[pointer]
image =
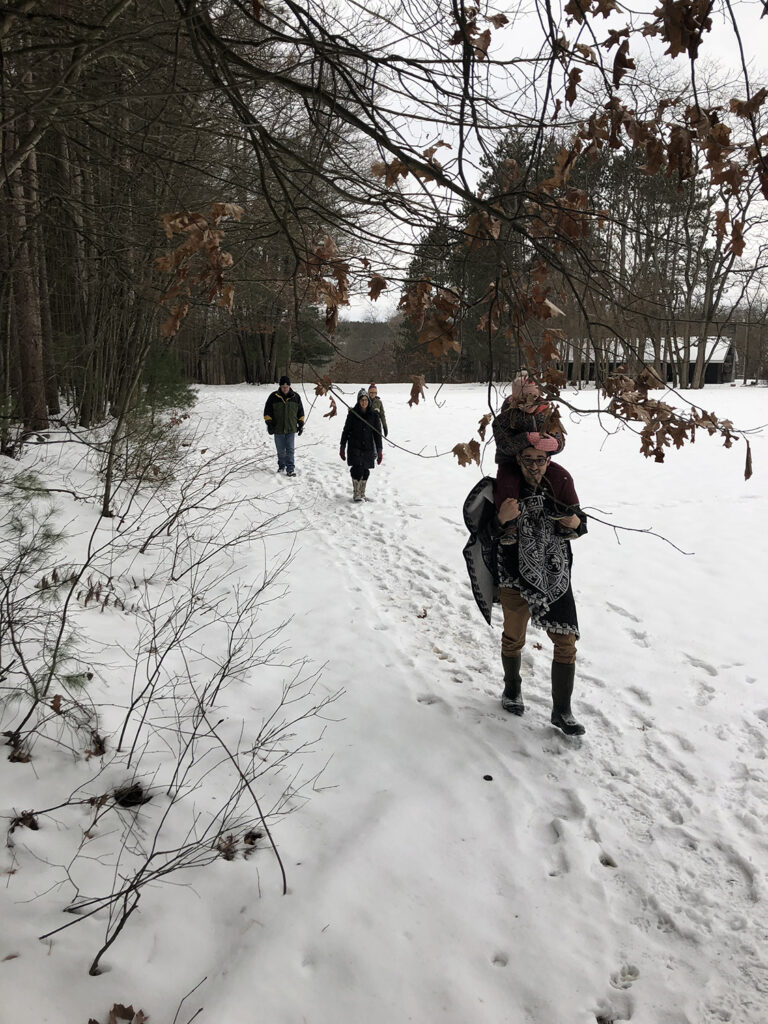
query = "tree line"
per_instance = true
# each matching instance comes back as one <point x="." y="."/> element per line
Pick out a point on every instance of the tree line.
<point x="520" y="202"/>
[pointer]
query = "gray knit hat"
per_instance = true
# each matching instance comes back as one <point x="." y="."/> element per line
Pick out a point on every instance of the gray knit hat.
<point x="362" y="393"/>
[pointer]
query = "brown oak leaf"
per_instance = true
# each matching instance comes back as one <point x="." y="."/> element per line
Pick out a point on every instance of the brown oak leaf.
<point x="467" y="453"/>
<point x="417" y="389"/>
<point x="747" y="108"/>
<point x="622" y="63"/>
<point x="481" y="44"/>
<point x="376" y="285"/>
<point x="574" y="77"/>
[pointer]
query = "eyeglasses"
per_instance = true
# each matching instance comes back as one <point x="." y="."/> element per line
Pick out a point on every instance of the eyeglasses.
<point x="542" y="461"/>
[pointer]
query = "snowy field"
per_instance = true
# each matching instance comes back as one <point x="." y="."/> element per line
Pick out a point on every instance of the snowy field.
<point x="449" y="862"/>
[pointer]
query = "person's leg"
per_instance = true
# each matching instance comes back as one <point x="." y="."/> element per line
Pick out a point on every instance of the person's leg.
<point x="363" y="483"/>
<point x="563" y="674"/>
<point x="280" y="448"/>
<point x="565" y="648"/>
<point x="356" y="472"/>
<point x="290" y="444"/>
<point x="516" y="616"/>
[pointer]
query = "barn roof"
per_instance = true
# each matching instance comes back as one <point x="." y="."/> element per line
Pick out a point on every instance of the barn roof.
<point x="716" y="350"/>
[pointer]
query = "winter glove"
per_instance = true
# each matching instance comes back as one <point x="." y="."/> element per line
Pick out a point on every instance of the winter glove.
<point x="543" y="442"/>
<point x="342" y="456"/>
<point x="270" y="428"/>
<point x="379" y="457"/>
<point x="301" y="429"/>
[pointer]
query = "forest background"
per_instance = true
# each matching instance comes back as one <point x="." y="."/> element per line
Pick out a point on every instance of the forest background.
<point x="597" y="202"/>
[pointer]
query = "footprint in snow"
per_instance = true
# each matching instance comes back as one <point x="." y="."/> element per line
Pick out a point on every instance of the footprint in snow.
<point x="639" y="694"/>
<point x="429" y="698"/>
<point x="626" y="975"/>
<point x="705" y="695"/>
<point x="640" y="638"/>
<point x="703" y="665"/>
<point x="622" y="611"/>
<point x="560" y="864"/>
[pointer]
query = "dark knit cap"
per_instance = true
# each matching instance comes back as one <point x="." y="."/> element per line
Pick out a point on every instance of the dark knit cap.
<point x="362" y="393"/>
<point x="285" y="380"/>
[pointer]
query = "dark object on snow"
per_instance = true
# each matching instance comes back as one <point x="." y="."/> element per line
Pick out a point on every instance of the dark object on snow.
<point x="131" y="796"/>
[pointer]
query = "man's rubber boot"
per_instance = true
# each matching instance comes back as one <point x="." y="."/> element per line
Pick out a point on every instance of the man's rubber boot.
<point x="562" y="688"/>
<point x="512" y="698"/>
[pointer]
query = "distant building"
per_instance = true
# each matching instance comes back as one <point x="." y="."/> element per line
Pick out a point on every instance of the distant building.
<point x="582" y="361"/>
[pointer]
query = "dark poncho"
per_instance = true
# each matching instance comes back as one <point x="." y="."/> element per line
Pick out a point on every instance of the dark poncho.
<point x="539" y="565"/>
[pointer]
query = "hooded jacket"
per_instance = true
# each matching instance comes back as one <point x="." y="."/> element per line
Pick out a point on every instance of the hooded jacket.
<point x="361" y="436"/>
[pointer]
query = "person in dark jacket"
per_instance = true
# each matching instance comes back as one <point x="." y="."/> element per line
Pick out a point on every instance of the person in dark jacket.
<point x="537" y="499"/>
<point x="284" y="416"/>
<point x="378" y="406"/>
<point x="361" y="445"/>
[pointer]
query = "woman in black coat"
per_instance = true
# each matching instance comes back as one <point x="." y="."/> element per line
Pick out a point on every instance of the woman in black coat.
<point x="361" y="437"/>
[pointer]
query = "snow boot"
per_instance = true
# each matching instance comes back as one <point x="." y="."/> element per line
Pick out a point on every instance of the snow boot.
<point x="562" y="688"/>
<point x="362" y="490"/>
<point x="512" y="698"/>
<point x="356" y="495"/>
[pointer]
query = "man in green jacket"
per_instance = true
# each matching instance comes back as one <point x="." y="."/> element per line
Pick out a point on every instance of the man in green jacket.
<point x="284" y="416"/>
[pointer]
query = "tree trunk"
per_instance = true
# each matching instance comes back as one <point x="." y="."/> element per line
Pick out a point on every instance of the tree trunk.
<point x="29" y="332"/>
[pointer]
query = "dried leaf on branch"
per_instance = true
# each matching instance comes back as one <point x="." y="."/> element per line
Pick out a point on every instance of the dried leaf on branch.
<point x="681" y="24"/>
<point x="390" y="172"/>
<point x="483" y="424"/>
<point x="481" y="228"/>
<point x="467" y="453"/>
<point x="737" y="242"/>
<point x="574" y="76"/>
<point x="325" y="273"/>
<point x="417" y="389"/>
<point x="197" y="263"/>
<point x="748" y="108"/>
<point x="376" y="285"/>
<point x="662" y="425"/>
<point x="622" y="63"/>
<point x="434" y="315"/>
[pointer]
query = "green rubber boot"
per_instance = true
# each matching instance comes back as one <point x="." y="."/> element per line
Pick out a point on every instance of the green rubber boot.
<point x="562" y="688"/>
<point x="512" y="698"/>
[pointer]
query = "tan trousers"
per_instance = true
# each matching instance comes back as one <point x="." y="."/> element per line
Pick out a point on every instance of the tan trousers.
<point x="516" y="618"/>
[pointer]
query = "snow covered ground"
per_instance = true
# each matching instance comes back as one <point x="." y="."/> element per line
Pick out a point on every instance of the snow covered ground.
<point x="451" y="863"/>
